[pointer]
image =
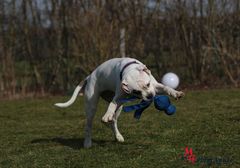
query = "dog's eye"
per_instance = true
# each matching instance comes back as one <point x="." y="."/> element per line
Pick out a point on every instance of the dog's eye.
<point x="137" y="92"/>
<point x="147" y="86"/>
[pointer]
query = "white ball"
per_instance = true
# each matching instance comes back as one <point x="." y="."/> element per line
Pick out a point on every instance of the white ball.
<point x="170" y="79"/>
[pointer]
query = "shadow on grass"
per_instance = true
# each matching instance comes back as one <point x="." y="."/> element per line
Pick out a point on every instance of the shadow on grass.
<point x="74" y="143"/>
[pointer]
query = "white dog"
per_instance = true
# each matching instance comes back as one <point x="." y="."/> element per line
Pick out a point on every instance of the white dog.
<point x="112" y="80"/>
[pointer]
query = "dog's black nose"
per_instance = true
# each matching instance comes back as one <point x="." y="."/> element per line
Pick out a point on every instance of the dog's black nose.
<point x="150" y="96"/>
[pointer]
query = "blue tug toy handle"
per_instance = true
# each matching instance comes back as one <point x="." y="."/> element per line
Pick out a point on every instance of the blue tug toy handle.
<point x="161" y="102"/>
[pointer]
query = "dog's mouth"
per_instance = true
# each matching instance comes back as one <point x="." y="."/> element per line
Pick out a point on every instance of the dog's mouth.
<point x="137" y="93"/>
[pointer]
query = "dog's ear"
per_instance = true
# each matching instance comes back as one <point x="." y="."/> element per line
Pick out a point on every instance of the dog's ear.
<point x="124" y="86"/>
<point x="143" y="68"/>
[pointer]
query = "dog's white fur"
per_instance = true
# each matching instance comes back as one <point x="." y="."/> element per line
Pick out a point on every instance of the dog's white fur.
<point x="105" y="82"/>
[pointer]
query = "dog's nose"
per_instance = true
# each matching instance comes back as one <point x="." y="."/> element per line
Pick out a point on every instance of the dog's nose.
<point x="150" y="96"/>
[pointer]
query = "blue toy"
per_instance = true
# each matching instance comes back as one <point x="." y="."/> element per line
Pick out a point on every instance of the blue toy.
<point x="161" y="102"/>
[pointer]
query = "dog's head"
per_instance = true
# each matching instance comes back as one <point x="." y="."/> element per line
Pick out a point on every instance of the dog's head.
<point x="138" y="82"/>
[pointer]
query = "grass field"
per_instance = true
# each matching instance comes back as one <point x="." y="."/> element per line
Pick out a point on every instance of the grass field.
<point x="33" y="133"/>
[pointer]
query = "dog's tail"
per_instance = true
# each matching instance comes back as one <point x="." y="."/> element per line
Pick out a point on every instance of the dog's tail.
<point x="80" y="88"/>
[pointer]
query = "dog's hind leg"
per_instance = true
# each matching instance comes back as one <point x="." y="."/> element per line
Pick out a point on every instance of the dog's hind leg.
<point x="90" y="109"/>
<point x="116" y="132"/>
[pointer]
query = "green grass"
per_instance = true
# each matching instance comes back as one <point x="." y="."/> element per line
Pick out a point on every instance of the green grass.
<point x="33" y="133"/>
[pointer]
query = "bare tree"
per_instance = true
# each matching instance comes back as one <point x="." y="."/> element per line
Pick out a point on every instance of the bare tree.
<point x="45" y="45"/>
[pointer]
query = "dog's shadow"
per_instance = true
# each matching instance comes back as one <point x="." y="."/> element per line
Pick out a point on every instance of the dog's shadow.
<point x="74" y="143"/>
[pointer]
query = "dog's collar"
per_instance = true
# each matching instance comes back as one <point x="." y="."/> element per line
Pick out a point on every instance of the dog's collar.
<point x="125" y="66"/>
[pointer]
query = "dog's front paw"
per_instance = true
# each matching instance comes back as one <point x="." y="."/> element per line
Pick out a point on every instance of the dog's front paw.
<point x="172" y="92"/>
<point x="178" y="94"/>
<point x="119" y="138"/>
<point x="108" y="117"/>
